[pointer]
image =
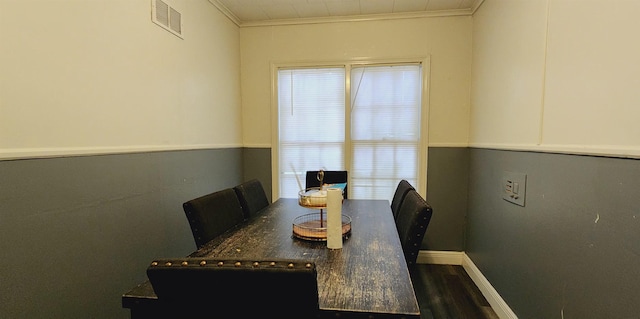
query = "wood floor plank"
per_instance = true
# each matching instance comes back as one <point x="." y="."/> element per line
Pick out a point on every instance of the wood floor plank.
<point x="471" y="288"/>
<point x="447" y="292"/>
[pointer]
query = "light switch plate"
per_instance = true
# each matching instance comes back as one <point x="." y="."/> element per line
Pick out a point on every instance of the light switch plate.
<point x="514" y="186"/>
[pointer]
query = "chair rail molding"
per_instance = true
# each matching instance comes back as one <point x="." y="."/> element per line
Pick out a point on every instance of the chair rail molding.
<point x="52" y="152"/>
<point x="616" y="151"/>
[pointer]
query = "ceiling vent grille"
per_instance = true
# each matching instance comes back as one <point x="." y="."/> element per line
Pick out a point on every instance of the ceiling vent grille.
<point x="166" y="17"/>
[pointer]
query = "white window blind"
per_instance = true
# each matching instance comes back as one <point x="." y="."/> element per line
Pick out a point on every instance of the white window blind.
<point x="311" y="110"/>
<point x="385" y="129"/>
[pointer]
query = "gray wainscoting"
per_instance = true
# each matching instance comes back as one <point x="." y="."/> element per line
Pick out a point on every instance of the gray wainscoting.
<point x="257" y="164"/>
<point x="573" y="250"/>
<point x="77" y="232"/>
<point x="447" y="188"/>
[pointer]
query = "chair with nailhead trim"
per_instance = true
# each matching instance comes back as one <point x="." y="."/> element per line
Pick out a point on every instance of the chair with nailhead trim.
<point x="211" y="215"/>
<point x="232" y="288"/>
<point x="401" y="191"/>
<point x="252" y="197"/>
<point x="413" y="219"/>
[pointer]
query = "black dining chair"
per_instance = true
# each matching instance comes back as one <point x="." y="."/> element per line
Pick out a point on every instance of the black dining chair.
<point x="213" y="214"/>
<point x="252" y="197"/>
<point x="231" y="288"/>
<point x="401" y="191"/>
<point x="330" y="177"/>
<point x="412" y="222"/>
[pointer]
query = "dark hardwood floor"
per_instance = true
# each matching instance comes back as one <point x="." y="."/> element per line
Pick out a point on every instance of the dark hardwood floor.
<point x="447" y="292"/>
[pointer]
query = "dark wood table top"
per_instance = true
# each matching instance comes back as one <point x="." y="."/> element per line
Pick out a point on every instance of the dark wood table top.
<point x="368" y="276"/>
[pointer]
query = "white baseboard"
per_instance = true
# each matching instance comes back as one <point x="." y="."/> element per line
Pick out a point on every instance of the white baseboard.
<point x="460" y="258"/>
<point x="435" y="257"/>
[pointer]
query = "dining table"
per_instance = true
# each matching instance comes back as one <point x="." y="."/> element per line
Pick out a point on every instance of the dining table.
<point x="367" y="278"/>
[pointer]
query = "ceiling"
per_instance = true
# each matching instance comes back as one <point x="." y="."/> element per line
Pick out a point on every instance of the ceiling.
<point x="270" y="12"/>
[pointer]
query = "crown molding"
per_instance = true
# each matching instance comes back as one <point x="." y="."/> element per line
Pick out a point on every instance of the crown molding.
<point x="476" y="5"/>
<point x="225" y="11"/>
<point x="357" y="18"/>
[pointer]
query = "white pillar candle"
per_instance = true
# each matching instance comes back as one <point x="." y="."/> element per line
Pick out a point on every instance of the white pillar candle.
<point x="334" y="218"/>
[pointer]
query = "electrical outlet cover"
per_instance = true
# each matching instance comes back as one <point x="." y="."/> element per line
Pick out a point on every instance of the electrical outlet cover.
<point x="514" y="186"/>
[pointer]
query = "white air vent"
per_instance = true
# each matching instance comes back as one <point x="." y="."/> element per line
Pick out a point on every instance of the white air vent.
<point x="175" y="21"/>
<point x="166" y="17"/>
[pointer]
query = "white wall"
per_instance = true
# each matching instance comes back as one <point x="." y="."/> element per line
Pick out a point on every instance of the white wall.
<point x="447" y="40"/>
<point x="84" y="77"/>
<point x="556" y="75"/>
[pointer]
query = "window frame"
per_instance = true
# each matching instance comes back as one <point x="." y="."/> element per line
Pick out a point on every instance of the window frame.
<point x="425" y="62"/>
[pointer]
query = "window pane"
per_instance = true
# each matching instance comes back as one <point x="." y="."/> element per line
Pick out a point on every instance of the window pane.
<point x="385" y="129"/>
<point x="386" y="103"/>
<point x="311" y="124"/>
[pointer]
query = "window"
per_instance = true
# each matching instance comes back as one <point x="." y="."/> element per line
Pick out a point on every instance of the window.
<point x="385" y="129"/>
<point x="311" y="108"/>
<point x="365" y="119"/>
